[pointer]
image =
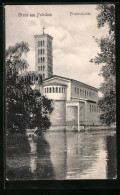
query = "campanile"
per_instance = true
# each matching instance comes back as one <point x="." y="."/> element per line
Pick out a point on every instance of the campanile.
<point x="44" y="55"/>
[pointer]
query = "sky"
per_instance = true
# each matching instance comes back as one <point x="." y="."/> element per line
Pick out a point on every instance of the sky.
<point x="73" y="28"/>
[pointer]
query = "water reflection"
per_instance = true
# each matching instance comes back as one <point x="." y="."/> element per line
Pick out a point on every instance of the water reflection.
<point x="78" y="155"/>
<point x="60" y="155"/>
<point x="44" y="168"/>
<point x="17" y="159"/>
<point x="111" y="157"/>
<point x="33" y="147"/>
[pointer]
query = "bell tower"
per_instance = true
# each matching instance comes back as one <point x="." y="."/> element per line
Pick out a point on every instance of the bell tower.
<point x="44" y="55"/>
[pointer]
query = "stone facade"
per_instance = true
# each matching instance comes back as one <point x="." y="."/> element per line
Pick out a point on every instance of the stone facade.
<point x="75" y="103"/>
<point x="44" y="55"/>
<point x="58" y="117"/>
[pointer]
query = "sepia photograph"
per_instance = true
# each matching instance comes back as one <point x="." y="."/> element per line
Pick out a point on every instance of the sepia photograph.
<point x="60" y="92"/>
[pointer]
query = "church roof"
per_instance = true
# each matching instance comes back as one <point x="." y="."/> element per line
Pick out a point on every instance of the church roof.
<point x="53" y="83"/>
<point x="72" y="80"/>
<point x="43" y="35"/>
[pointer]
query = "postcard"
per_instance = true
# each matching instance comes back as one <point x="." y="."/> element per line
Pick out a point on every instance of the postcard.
<point x="60" y="92"/>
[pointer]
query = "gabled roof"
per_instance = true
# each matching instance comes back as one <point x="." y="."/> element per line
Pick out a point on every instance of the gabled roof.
<point x="53" y="76"/>
<point x="72" y="80"/>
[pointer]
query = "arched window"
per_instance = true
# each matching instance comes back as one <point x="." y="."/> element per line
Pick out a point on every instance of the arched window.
<point x="59" y="89"/>
<point x="85" y="93"/>
<point x="43" y="75"/>
<point x="47" y="89"/>
<point x="41" y="60"/>
<point x="90" y="108"/>
<point x="43" y="42"/>
<point x="43" y="51"/>
<point x="80" y="91"/>
<point x="95" y="108"/>
<point x="43" y="67"/>
<point x="75" y="89"/>
<point x="56" y="89"/>
<point x="50" y="89"/>
<point x="53" y="89"/>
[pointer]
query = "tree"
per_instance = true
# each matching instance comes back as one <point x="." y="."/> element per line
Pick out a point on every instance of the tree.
<point x="106" y="58"/>
<point x="25" y="106"/>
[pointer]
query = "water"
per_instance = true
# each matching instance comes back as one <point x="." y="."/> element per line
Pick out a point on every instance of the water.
<point x="60" y="155"/>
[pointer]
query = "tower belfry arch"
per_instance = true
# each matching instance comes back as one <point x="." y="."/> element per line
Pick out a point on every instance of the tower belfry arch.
<point x="44" y="54"/>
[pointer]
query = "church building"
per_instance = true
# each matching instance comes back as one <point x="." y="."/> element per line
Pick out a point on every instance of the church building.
<point x="75" y="103"/>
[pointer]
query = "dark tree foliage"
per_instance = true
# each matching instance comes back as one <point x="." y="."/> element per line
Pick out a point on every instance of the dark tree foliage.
<point x="25" y="106"/>
<point x="106" y="16"/>
<point x="106" y="58"/>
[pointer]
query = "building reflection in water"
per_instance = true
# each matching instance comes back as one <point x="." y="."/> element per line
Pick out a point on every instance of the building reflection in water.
<point x="60" y="155"/>
<point x="33" y="148"/>
<point x="40" y="162"/>
<point x="79" y="155"/>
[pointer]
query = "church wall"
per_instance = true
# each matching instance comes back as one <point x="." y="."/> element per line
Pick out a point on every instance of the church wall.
<point x="88" y="113"/>
<point x="72" y="115"/>
<point x="82" y="113"/>
<point x="92" y="114"/>
<point x="63" y="114"/>
<point x="63" y="82"/>
<point x="58" y="116"/>
<point x="55" y="92"/>
<point x="79" y="90"/>
<point x="56" y="96"/>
